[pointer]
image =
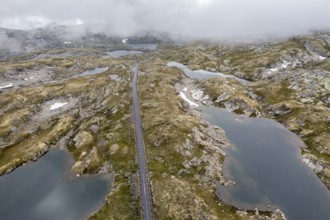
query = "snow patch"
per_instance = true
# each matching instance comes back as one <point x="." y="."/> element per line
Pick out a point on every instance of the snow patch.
<point x="197" y="95"/>
<point x="322" y="58"/>
<point x="67" y="42"/>
<point x="114" y="77"/>
<point x="124" y="41"/>
<point x="185" y="89"/>
<point x="10" y="85"/>
<point x="184" y="97"/>
<point x="285" y="65"/>
<point x="57" y="105"/>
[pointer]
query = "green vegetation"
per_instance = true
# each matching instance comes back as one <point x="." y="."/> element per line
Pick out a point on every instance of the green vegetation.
<point x="274" y="93"/>
<point x="96" y="126"/>
<point x="29" y="128"/>
<point x="179" y="192"/>
<point x="36" y="144"/>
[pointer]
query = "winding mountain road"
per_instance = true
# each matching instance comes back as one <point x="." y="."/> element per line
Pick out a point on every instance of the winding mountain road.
<point x="143" y="169"/>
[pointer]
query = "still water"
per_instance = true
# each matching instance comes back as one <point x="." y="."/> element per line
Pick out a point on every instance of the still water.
<point x="143" y="46"/>
<point x="122" y="53"/>
<point x="265" y="163"/>
<point x="47" y="189"/>
<point x="202" y="74"/>
<point x="92" y="72"/>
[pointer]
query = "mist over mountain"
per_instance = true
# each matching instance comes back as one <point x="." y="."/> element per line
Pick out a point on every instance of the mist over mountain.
<point x="225" y="19"/>
<point x="28" y="25"/>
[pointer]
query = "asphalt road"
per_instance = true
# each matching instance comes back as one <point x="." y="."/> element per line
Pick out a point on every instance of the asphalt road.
<point x="143" y="169"/>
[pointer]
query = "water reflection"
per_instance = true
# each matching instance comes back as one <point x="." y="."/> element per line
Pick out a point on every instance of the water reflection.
<point x="93" y="72"/>
<point x="47" y="189"/>
<point x="266" y="166"/>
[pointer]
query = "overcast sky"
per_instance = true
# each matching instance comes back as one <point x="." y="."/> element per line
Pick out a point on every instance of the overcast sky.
<point x="194" y="18"/>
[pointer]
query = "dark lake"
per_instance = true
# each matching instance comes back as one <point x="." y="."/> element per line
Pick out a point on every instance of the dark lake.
<point x="47" y="189"/>
<point x="265" y="163"/>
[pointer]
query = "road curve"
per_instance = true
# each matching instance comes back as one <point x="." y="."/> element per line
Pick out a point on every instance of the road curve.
<point x="143" y="169"/>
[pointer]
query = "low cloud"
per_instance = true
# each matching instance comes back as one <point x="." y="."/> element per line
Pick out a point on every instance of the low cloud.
<point x="10" y="44"/>
<point x="190" y="18"/>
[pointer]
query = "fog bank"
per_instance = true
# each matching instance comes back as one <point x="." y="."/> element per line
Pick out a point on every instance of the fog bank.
<point x="190" y="18"/>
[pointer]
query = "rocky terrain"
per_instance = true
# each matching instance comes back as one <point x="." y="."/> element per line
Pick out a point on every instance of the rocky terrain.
<point x="289" y="82"/>
<point x="185" y="152"/>
<point x="54" y="103"/>
<point x="48" y="100"/>
<point x="58" y="37"/>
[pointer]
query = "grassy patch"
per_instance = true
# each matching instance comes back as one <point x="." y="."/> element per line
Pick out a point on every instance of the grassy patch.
<point x="14" y="156"/>
<point x="120" y="204"/>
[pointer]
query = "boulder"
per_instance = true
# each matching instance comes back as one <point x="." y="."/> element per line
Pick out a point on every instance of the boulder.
<point x="83" y="138"/>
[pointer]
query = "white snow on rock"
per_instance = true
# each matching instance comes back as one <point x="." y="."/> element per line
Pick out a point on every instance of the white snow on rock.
<point x="322" y="58"/>
<point x="282" y="67"/>
<point x="57" y="105"/>
<point x="67" y="42"/>
<point x="184" y="97"/>
<point x="114" y="77"/>
<point x="197" y="95"/>
<point x="7" y="86"/>
<point x="185" y="89"/>
<point x="285" y="65"/>
<point x="124" y="41"/>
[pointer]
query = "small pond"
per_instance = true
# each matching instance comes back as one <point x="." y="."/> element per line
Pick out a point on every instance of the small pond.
<point x="202" y="74"/>
<point x="93" y="72"/>
<point x="47" y="189"/>
<point x="122" y="53"/>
